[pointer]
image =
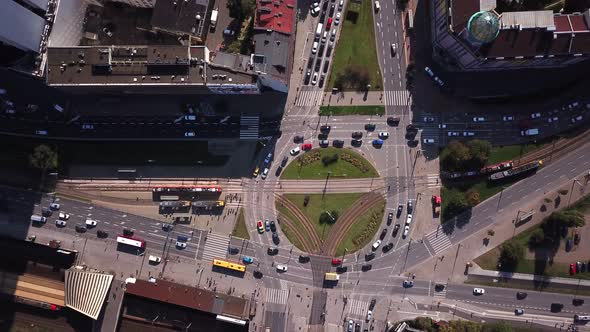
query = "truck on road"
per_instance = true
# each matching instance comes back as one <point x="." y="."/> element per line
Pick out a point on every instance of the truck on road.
<point x="329" y="276"/>
<point x="214" y="14"/>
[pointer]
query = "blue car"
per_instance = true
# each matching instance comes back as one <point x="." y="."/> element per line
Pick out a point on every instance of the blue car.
<point x="248" y="260"/>
<point x="377" y="142"/>
<point x="268" y="158"/>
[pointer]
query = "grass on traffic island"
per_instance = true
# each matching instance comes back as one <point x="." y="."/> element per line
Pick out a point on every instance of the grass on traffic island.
<point x="286" y="229"/>
<point x="317" y="205"/>
<point x="240" y="229"/>
<point x="551" y="268"/>
<point x="352" y="110"/>
<point x="313" y="169"/>
<point x="367" y="224"/>
<point x="358" y="50"/>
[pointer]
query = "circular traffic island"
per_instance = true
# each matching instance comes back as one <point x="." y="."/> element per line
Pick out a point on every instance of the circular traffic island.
<point x="317" y="164"/>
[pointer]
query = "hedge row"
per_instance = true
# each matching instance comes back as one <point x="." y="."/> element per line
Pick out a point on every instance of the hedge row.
<point x="355" y="162"/>
<point x="368" y="231"/>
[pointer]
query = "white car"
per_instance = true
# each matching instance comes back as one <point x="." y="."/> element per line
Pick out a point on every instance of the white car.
<point x="429" y="71"/>
<point x="553" y="119"/>
<point x="439" y="81"/>
<point x="54" y="206"/>
<point x="535" y="115"/>
<point x="479" y="119"/>
<point x="508" y="118"/>
<point x="393" y="49"/>
<point x="282" y="268"/>
<point x="64" y="216"/>
<point x="337" y="19"/>
<point x="264" y="173"/>
<point x="180" y="245"/>
<point x="60" y="223"/>
<point x="468" y="133"/>
<point x="295" y="151"/>
<point x="87" y="126"/>
<point x="409" y="219"/>
<point x="428" y="119"/>
<point x="479" y="291"/>
<point x="428" y="141"/>
<point x="350" y="326"/>
<point x="577" y="118"/>
<point x="314" y="79"/>
<point x="406" y="231"/>
<point x="91" y="223"/>
<point x="314" y="11"/>
<point x="376" y="244"/>
<point x="384" y="135"/>
<point x="453" y="133"/>
<point x="442" y="126"/>
<point x="189" y="134"/>
<point x="369" y="315"/>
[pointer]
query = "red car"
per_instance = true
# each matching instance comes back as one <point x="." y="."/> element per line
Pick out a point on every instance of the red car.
<point x="572" y="269"/>
<point x="329" y="23"/>
<point x="336" y="261"/>
<point x="306" y="146"/>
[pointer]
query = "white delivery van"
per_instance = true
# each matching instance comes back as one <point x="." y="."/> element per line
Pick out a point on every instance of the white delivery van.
<point x="154" y="259"/>
<point x="38" y="219"/>
<point x="529" y="132"/>
<point x="377" y="6"/>
<point x="318" y="31"/>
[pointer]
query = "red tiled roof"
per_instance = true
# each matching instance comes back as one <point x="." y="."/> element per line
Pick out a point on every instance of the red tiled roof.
<point x="562" y="24"/>
<point x="277" y="15"/>
<point x="462" y="11"/>
<point x="578" y="23"/>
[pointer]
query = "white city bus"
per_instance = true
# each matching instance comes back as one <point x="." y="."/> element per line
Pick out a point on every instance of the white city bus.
<point x="130" y="241"/>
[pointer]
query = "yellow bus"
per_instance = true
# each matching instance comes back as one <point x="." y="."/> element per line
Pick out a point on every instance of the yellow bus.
<point x="229" y="265"/>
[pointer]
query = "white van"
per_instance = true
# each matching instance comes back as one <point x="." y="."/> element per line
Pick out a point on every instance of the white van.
<point x="377" y="6"/>
<point x="38" y="219"/>
<point x="154" y="259"/>
<point x="318" y="31"/>
<point x="530" y="132"/>
<point x="314" y="48"/>
<point x="58" y="108"/>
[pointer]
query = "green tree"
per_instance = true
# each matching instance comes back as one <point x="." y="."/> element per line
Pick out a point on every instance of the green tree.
<point x="537" y="237"/>
<point x="44" y="159"/>
<point x="473" y="197"/>
<point x="568" y="218"/>
<point x="499" y="326"/>
<point x="455" y="156"/>
<point x="456" y="203"/>
<point x="480" y="152"/>
<point x="423" y="323"/>
<point x="511" y="253"/>
<point x="328" y="217"/>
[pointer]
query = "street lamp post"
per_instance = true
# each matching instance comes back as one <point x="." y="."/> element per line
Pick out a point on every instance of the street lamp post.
<point x="326" y="184"/>
<point x="572" y="190"/>
<point x="500" y="199"/>
<point x="344" y="254"/>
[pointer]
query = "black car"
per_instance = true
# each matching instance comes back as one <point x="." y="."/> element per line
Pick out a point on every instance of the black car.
<point x="166" y="227"/>
<point x="303" y="259"/>
<point x="395" y="230"/>
<point x="387" y="247"/>
<point x="370" y="127"/>
<point x="332" y="7"/>
<point x="366" y="267"/>
<point x="383" y="233"/>
<point x="272" y="251"/>
<point x="411" y="127"/>
<point x="393" y="121"/>
<point x="357" y="327"/>
<point x="275" y="238"/>
<point x="273" y="227"/>
<point x="400" y="208"/>
<point x="389" y="218"/>
<point x="410" y="207"/>
<point x="326" y="65"/>
<point x="307" y="77"/>
<point x="279" y="170"/>
<point x="439" y="287"/>
<point x="257" y="274"/>
<point x="577" y="302"/>
<point x="298" y="139"/>
<point x="127" y="232"/>
<point x="325" y="6"/>
<point x="310" y="62"/>
<point x="341" y="269"/>
<point x="372" y="304"/>
<point x="337" y="143"/>
<point x="81" y="228"/>
<point x="322" y="136"/>
<point x="521" y="295"/>
<point x="284" y="161"/>
<point x="369" y="256"/>
<point x="318" y="64"/>
<point x="356" y="142"/>
<point x="102" y="234"/>
<point x="325" y="129"/>
<point x="556" y="307"/>
<point x="357" y="134"/>
<point x="46" y="212"/>
<point x="233" y="250"/>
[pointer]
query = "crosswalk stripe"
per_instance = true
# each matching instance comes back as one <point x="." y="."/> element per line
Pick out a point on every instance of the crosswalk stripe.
<point x="358" y="307"/>
<point x="309" y="97"/>
<point x="278" y="296"/>
<point x="397" y="98"/>
<point x="439" y="242"/>
<point x="215" y="247"/>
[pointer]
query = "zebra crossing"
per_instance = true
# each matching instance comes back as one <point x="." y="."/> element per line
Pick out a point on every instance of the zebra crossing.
<point x="357" y="307"/>
<point x="215" y="246"/>
<point x="438" y="241"/>
<point x="277" y="296"/>
<point x="442" y="293"/>
<point x="249" y="127"/>
<point x="432" y="181"/>
<point x="397" y="98"/>
<point x="309" y="98"/>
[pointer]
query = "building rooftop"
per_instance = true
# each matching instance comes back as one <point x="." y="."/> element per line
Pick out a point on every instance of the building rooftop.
<point x="272" y="53"/>
<point x="276" y="15"/>
<point x="190" y="297"/>
<point x="181" y="17"/>
<point x="136" y="65"/>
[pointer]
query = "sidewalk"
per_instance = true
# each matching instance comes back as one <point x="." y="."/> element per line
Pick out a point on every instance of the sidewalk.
<point x="453" y="260"/>
<point x="352" y="98"/>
